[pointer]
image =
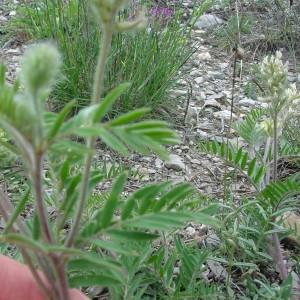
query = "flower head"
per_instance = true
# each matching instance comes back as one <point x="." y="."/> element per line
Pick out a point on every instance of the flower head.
<point x="40" y="67"/>
<point x="160" y="14"/>
<point x="281" y="97"/>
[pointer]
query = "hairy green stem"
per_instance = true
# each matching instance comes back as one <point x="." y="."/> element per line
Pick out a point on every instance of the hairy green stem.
<point x="59" y="266"/>
<point x="279" y="258"/>
<point x="60" y="283"/>
<point x="96" y="98"/>
<point x="36" y="175"/>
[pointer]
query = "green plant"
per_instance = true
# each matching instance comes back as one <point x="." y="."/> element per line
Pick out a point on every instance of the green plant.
<point x="150" y="58"/>
<point x="236" y="26"/>
<point x="93" y="252"/>
<point x="261" y="129"/>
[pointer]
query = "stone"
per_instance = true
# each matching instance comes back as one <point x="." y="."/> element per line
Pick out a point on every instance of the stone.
<point x="211" y="102"/>
<point x="3" y="19"/>
<point x="217" y="269"/>
<point x="195" y="161"/>
<point x="212" y="241"/>
<point x="203" y="229"/>
<point x="199" y="80"/>
<point x="219" y="97"/>
<point x="175" y="163"/>
<point x="295" y="281"/>
<point x="224" y="114"/>
<point x="216" y="75"/>
<point x="195" y="73"/>
<point x="191" y="112"/>
<point x="16" y="58"/>
<point x="207" y="21"/>
<point x="181" y="92"/>
<point x="210" y="92"/>
<point x="204" y="56"/>
<point x="292" y="220"/>
<point x="13" y="51"/>
<point x="247" y="102"/>
<point x="182" y="82"/>
<point x="190" y="231"/>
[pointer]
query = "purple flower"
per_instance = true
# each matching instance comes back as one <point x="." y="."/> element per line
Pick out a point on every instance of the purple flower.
<point x="160" y="14"/>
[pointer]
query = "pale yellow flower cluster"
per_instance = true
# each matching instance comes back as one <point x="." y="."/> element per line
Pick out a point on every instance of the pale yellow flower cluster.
<point x="283" y="98"/>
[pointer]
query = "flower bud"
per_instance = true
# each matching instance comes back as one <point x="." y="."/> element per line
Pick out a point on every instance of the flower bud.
<point x="239" y="53"/>
<point x="107" y="9"/>
<point x="40" y="67"/>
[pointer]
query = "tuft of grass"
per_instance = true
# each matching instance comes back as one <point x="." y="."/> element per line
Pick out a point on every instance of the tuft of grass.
<point x="149" y="59"/>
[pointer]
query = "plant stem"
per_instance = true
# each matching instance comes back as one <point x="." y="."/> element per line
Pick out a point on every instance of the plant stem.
<point x="275" y="148"/>
<point x="36" y="175"/>
<point x="59" y="283"/>
<point x="59" y="265"/>
<point x="100" y="70"/>
<point x="279" y="258"/>
<point x="96" y="98"/>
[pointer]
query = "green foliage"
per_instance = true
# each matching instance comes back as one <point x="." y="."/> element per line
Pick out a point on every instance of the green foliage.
<point x="253" y="225"/>
<point x="102" y="250"/>
<point x="237" y="158"/>
<point x="256" y="288"/>
<point x="249" y="128"/>
<point x="149" y="59"/>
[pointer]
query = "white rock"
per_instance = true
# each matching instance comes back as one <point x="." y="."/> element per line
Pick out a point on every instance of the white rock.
<point x="16" y="58"/>
<point x="158" y="163"/>
<point x="181" y="82"/>
<point x="217" y="269"/>
<point x="190" y="231"/>
<point x="216" y="74"/>
<point x="195" y="161"/>
<point x="3" y="19"/>
<point x="13" y="13"/>
<point x="181" y="92"/>
<point x="205" y="273"/>
<point x="219" y="96"/>
<point x="295" y="281"/>
<point x="224" y="114"/>
<point x="204" y="56"/>
<point x="207" y="20"/>
<point x="147" y="159"/>
<point x="199" y="80"/>
<point x="247" y="102"/>
<point x="13" y="51"/>
<point x="195" y="73"/>
<point x="175" y="163"/>
<point x="202" y="95"/>
<point x="212" y="102"/>
<point x="191" y="112"/>
<point x="223" y="65"/>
